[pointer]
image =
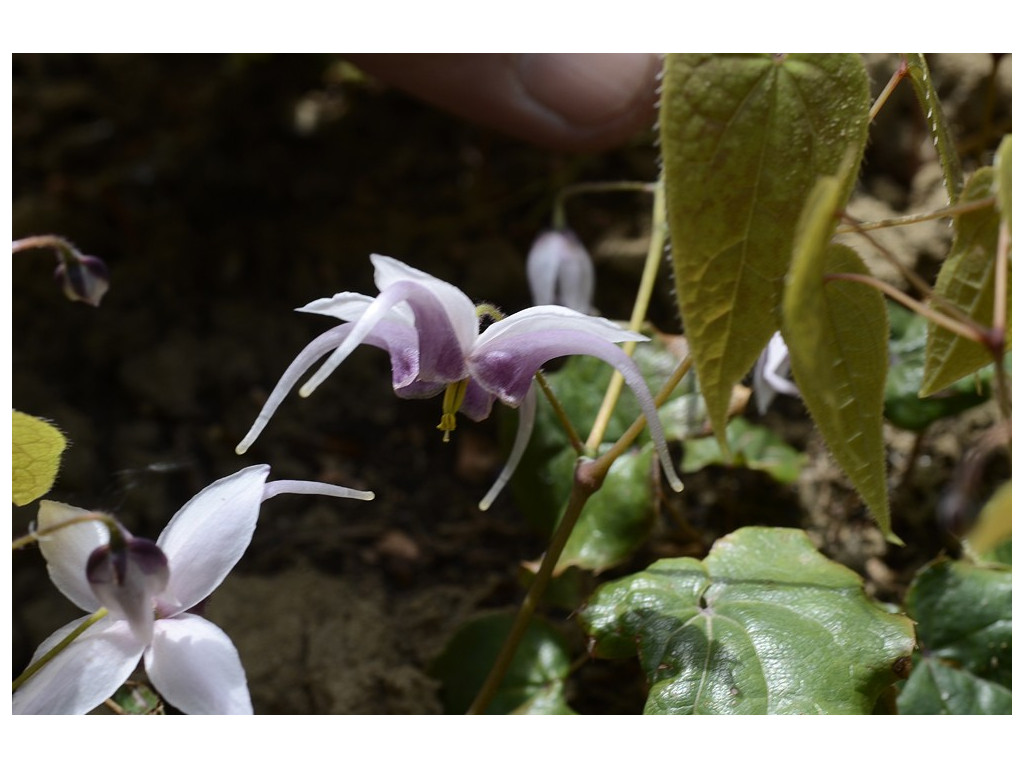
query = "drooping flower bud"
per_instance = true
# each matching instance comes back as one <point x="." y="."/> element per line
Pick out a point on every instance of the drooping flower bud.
<point x="83" y="278"/>
<point x="560" y="271"/>
<point x="126" y="577"/>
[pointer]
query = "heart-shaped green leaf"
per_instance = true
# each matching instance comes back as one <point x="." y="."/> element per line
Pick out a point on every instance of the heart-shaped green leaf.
<point x="966" y="280"/>
<point x="744" y="138"/>
<point x="837" y="333"/>
<point x="765" y="624"/>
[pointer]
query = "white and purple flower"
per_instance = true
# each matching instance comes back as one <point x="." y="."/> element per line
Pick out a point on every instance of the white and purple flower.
<point x="771" y="374"/>
<point x="149" y="590"/>
<point x="430" y="329"/>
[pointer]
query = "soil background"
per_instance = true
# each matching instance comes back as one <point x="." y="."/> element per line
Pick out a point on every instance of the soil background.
<point x="223" y="192"/>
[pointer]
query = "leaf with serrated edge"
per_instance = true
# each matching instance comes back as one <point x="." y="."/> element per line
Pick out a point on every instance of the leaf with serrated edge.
<point x="743" y="139"/>
<point x="838" y="334"/>
<point x="967" y="280"/>
<point x="36" y="449"/>
<point x="942" y="137"/>
<point x="764" y="625"/>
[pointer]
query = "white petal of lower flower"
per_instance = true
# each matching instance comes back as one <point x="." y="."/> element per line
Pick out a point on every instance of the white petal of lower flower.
<point x="195" y="667"/>
<point x="67" y="551"/>
<point x="83" y="675"/>
<point x="207" y="536"/>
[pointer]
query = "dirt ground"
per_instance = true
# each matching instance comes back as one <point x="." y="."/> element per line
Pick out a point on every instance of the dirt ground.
<point x="223" y="192"/>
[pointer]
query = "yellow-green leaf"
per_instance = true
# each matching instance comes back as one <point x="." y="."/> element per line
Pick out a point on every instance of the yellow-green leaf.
<point x="837" y="333"/>
<point x="35" y="457"/>
<point x="967" y="280"/>
<point x="744" y="138"/>
<point x="995" y="522"/>
<point x="942" y="137"/>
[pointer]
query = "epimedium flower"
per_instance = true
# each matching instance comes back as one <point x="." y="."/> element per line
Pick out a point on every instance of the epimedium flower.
<point x="771" y="372"/>
<point x="560" y="271"/>
<point x="150" y="590"/>
<point x="430" y="329"/>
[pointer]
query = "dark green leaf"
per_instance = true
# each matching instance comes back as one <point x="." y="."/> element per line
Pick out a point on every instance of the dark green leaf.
<point x="765" y="624"/>
<point x="535" y="680"/>
<point x="964" y="617"/>
<point x="752" y="445"/>
<point x="935" y="688"/>
<point x="903" y="406"/>
<point x="744" y="138"/>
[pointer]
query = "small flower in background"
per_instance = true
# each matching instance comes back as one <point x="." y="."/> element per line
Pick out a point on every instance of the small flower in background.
<point x="560" y="271"/>
<point x="430" y="329"/>
<point x="771" y="372"/>
<point x="83" y="278"/>
<point x="148" y="590"/>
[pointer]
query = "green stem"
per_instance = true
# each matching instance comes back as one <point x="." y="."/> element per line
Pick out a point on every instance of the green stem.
<point x="969" y="329"/>
<point x="901" y="72"/>
<point x="950" y="211"/>
<point x="585" y="187"/>
<point x="999" y="319"/>
<point x="570" y="430"/>
<point x="116" y="534"/>
<point x="587" y="479"/>
<point x="47" y="657"/>
<point x="655" y="251"/>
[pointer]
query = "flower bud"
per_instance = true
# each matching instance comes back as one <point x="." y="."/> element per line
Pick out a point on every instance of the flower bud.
<point x="127" y="578"/>
<point x="83" y="278"/>
<point x="560" y="271"/>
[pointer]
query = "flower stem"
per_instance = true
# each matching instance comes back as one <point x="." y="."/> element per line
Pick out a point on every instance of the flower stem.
<point x="47" y="657"/>
<point x="655" y="251"/>
<point x="116" y="533"/>
<point x="587" y="480"/>
<point x="570" y="430"/>
<point x="901" y="72"/>
<point x="949" y="211"/>
<point x="966" y="328"/>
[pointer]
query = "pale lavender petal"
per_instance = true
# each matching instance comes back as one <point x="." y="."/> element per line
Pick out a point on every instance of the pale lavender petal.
<point x="350" y="307"/>
<point x="277" y="487"/>
<point x="770" y="373"/>
<point x="441" y="356"/>
<point x="196" y="667"/>
<point x="457" y="306"/>
<point x="207" y="536"/>
<point x="527" y="416"/>
<point x="83" y="675"/>
<point x="396" y="338"/>
<point x="67" y="551"/>
<point x="506" y="365"/>
<point x="560" y="271"/>
<point x="540" y="320"/>
<point x="477" y="403"/>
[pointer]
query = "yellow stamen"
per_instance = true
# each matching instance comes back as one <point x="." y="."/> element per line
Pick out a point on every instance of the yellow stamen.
<point x="454" y="394"/>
